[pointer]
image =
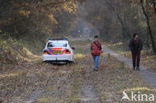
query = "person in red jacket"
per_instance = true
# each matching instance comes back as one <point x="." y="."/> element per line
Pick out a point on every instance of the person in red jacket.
<point x="96" y="51"/>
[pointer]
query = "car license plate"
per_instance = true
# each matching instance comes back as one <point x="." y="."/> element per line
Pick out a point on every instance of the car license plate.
<point x="57" y="51"/>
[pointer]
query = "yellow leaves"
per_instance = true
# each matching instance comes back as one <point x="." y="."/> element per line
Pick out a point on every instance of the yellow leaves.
<point x="147" y="57"/>
<point x="52" y="19"/>
<point x="135" y="1"/>
<point x="139" y="88"/>
<point x="9" y="75"/>
<point x="79" y="56"/>
<point x="70" y="7"/>
<point x="44" y="100"/>
<point x="9" y="51"/>
<point x="29" y="55"/>
<point x="135" y="17"/>
<point x="27" y="52"/>
<point x="24" y="13"/>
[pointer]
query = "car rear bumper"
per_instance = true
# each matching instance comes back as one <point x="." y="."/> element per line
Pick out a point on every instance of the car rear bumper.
<point x="57" y="58"/>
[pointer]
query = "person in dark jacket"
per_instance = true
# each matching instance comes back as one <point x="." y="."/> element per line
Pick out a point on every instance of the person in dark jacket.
<point x="96" y="51"/>
<point x="136" y="46"/>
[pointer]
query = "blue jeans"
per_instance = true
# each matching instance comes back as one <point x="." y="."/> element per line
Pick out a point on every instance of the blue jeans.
<point x="96" y="59"/>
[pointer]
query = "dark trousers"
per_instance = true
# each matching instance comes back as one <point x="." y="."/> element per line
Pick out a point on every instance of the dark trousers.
<point x="136" y="58"/>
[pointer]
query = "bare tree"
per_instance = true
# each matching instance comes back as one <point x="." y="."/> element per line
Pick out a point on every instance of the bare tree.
<point x="148" y="25"/>
<point x="119" y="12"/>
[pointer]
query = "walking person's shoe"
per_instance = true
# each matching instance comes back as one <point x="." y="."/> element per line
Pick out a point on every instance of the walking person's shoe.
<point x="137" y="68"/>
<point x="134" y="68"/>
<point x="95" y="69"/>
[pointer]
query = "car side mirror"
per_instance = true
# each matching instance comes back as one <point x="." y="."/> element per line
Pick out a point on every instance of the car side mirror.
<point x="73" y="48"/>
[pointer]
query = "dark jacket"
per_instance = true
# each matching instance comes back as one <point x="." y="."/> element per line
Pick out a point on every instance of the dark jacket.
<point x="134" y="47"/>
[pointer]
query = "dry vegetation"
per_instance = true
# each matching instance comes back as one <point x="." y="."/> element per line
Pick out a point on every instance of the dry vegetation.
<point x="25" y="25"/>
<point x="49" y="83"/>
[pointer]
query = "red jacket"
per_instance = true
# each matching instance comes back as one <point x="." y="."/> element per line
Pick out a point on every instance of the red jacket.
<point x="96" y="48"/>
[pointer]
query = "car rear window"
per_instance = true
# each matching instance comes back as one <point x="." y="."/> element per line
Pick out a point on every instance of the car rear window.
<point x="51" y="44"/>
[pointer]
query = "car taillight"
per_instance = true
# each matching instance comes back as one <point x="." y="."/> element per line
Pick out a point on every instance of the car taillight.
<point x="67" y="51"/>
<point x="45" y="52"/>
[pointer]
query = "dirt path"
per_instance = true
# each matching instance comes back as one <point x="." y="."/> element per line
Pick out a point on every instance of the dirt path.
<point x="88" y="92"/>
<point x="33" y="96"/>
<point x="148" y="77"/>
<point x="72" y="83"/>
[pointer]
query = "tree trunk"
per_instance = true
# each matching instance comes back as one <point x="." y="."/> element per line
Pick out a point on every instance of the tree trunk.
<point x="154" y="5"/>
<point x="125" y="31"/>
<point x="148" y="25"/>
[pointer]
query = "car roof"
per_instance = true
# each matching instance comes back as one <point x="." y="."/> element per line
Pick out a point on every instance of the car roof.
<point x="58" y="41"/>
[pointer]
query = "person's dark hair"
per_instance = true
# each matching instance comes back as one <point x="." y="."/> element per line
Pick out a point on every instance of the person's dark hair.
<point x="95" y="36"/>
<point x="135" y="34"/>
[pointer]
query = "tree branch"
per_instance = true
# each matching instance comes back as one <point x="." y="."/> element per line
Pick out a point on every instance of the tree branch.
<point x="154" y="5"/>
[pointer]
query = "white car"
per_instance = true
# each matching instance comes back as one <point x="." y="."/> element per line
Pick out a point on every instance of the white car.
<point x="58" y="50"/>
